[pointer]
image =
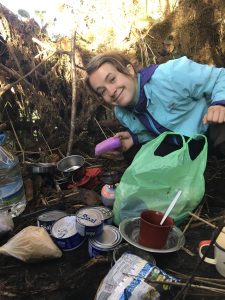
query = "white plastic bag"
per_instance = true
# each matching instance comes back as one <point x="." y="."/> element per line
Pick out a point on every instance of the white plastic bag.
<point x="30" y="245"/>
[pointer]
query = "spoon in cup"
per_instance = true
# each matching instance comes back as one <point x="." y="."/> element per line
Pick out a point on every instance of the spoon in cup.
<point x="171" y="206"/>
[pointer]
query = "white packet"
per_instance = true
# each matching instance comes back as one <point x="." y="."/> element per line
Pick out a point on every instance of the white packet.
<point x="31" y="244"/>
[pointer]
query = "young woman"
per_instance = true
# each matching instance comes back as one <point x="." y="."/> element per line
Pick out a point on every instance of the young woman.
<point x="179" y="95"/>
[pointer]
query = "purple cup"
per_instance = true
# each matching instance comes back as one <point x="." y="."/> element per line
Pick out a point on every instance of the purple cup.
<point x="107" y="145"/>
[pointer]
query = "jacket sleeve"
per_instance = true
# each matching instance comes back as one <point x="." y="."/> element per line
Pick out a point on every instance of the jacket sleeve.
<point x="198" y="80"/>
<point x="131" y="123"/>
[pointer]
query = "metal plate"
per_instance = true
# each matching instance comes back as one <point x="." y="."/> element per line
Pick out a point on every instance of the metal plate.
<point x="129" y="229"/>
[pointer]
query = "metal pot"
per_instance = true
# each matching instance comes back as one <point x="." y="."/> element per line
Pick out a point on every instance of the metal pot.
<point x="42" y="168"/>
<point x="72" y="166"/>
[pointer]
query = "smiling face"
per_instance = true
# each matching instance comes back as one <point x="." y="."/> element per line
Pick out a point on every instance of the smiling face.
<point x="115" y="87"/>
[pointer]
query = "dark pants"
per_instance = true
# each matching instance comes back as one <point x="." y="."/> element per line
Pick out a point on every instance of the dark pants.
<point x="216" y="139"/>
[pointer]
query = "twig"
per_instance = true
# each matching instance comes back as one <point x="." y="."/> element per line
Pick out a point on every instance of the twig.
<point x="63" y="196"/>
<point x="47" y="47"/>
<point x="100" y="128"/>
<point x="197" y="277"/>
<point x="17" y="138"/>
<point x="180" y="284"/>
<point x="111" y="131"/>
<point x="60" y="152"/>
<point x="202" y="220"/>
<point x="187" y="251"/>
<point x="73" y="104"/>
<point x="195" y="286"/>
<point x="46" y="142"/>
<point x="14" y="73"/>
<point x="191" y="219"/>
<point x="210" y="281"/>
<point x="43" y="45"/>
<point x="11" y="48"/>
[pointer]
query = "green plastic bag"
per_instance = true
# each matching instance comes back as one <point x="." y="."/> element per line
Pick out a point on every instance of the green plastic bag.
<point x="151" y="181"/>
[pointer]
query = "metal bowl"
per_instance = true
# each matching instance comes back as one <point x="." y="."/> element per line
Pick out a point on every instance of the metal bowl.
<point x="72" y="166"/>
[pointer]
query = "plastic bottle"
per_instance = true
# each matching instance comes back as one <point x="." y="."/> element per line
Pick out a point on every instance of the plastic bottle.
<point x="12" y="196"/>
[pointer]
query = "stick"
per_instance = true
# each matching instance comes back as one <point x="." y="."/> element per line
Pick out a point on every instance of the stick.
<point x="101" y="128"/>
<point x="202" y="220"/>
<point x="197" y="277"/>
<point x="191" y="219"/>
<point x="195" y="286"/>
<point x="210" y="281"/>
<point x="74" y="106"/>
<point x="16" y="137"/>
<point x="46" y="142"/>
<point x="181" y="284"/>
<point x="47" y="47"/>
<point x="14" y="73"/>
<point x="211" y="220"/>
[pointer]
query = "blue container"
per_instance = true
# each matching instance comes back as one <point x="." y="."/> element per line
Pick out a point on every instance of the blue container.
<point x="89" y="221"/>
<point x="106" y="242"/>
<point x="65" y="234"/>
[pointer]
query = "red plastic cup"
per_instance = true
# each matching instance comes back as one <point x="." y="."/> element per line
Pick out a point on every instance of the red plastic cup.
<point x="152" y="234"/>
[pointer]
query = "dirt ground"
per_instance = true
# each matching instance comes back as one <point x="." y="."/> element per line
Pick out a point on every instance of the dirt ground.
<point x="76" y="276"/>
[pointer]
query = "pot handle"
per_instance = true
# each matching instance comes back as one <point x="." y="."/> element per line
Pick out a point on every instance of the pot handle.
<point x="202" y="244"/>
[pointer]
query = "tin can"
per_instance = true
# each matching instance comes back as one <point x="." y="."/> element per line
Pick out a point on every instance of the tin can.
<point x="107" y="241"/>
<point x="65" y="233"/>
<point x="89" y="221"/>
<point x="48" y="218"/>
<point x="107" y="214"/>
<point x="108" y="193"/>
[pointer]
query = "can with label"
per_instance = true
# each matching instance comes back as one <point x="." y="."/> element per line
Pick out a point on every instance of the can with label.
<point x="107" y="214"/>
<point x="107" y="241"/>
<point x="65" y="233"/>
<point x="89" y="221"/>
<point x="48" y="218"/>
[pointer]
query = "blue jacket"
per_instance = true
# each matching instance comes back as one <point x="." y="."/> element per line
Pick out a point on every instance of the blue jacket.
<point x="175" y="98"/>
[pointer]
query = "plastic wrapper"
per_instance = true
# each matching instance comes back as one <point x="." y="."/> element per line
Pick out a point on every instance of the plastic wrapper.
<point x="31" y="244"/>
<point x="130" y="278"/>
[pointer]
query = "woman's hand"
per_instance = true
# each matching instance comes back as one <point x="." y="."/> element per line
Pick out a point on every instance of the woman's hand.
<point x="126" y="140"/>
<point x="215" y="114"/>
